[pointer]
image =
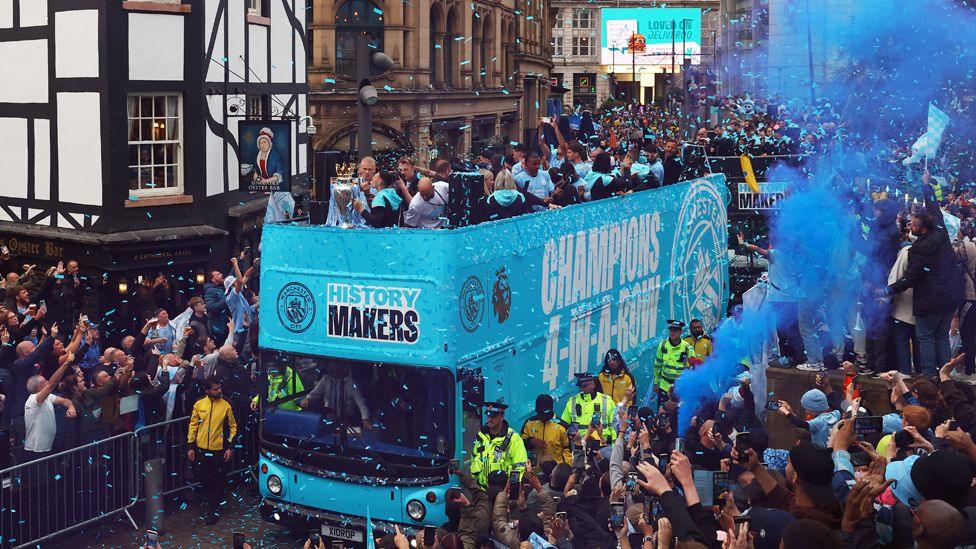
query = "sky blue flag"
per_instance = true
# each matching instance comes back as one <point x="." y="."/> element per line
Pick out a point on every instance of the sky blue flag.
<point x="928" y="144"/>
<point x="370" y="544"/>
<point x="938" y="121"/>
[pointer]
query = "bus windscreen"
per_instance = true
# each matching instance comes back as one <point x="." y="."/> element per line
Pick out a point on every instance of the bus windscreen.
<point x="340" y="408"/>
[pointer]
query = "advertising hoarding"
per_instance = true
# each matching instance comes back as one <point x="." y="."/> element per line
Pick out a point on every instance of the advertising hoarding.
<point x="654" y="26"/>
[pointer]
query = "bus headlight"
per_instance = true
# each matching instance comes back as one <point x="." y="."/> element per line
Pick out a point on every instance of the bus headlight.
<point x="416" y="510"/>
<point x="274" y="485"/>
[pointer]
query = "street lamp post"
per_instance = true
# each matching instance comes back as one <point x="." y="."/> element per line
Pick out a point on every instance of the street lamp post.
<point x="367" y="96"/>
<point x="633" y="70"/>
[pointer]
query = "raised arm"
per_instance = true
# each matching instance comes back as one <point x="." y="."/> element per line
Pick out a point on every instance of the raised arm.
<point x="238" y="277"/>
<point x="752" y="247"/>
<point x="75" y="343"/>
<point x="49" y="387"/>
<point x="559" y="134"/>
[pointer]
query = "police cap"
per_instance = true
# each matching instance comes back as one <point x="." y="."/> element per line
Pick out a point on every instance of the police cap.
<point x="676" y="325"/>
<point x="495" y="408"/>
<point x="582" y="378"/>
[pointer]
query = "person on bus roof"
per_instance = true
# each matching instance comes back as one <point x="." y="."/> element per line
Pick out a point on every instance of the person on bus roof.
<point x="498" y="447"/>
<point x="546" y="438"/>
<point x="616" y="381"/>
<point x="589" y="408"/>
<point x="506" y="201"/>
<point x="385" y="208"/>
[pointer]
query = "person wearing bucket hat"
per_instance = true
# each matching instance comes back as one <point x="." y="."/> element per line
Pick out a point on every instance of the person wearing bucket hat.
<point x="616" y="381"/>
<point x="545" y="438"/>
<point x="903" y="487"/>
<point x="821" y="417"/>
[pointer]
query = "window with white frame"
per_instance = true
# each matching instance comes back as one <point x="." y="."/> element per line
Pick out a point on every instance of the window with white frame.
<point x="557" y="46"/>
<point x="255" y="7"/>
<point x="559" y="20"/>
<point x="583" y="19"/>
<point x="582" y="46"/>
<point x="155" y="144"/>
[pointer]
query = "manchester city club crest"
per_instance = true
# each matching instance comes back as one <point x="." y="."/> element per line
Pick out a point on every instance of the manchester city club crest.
<point x="471" y="303"/>
<point x="501" y="296"/>
<point x="296" y="307"/>
<point x="698" y="249"/>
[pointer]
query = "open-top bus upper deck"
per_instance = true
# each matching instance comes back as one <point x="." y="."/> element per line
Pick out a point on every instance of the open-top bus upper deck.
<point x="526" y="301"/>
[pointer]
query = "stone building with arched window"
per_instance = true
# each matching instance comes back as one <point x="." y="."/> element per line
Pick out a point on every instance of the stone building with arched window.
<point x="463" y="72"/>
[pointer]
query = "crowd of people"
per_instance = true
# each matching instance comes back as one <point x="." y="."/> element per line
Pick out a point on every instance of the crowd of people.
<point x="609" y="473"/>
<point x="586" y="156"/>
<point x="613" y="466"/>
<point x="61" y="387"/>
<point x="611" y="469"/>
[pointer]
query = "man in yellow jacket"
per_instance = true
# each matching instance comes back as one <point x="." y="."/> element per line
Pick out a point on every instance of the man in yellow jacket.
<point x="699" y="341"/>
<point x="673" y="356"/>
<point x="210" y="444"/>
<point x="547" y="439"/>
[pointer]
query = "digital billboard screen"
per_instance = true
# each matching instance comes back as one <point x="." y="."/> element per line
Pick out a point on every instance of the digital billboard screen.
<point x="654" y="27"/>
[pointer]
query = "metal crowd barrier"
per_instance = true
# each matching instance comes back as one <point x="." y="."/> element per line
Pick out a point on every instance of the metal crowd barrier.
<point x="48" y="497"/>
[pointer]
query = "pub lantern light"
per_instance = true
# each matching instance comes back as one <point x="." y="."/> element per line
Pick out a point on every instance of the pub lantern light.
<point x="123" y="286"/>
<point x="200" y="278"/>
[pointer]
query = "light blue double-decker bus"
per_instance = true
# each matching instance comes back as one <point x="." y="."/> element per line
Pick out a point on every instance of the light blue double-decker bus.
<point x="379" y="345"/>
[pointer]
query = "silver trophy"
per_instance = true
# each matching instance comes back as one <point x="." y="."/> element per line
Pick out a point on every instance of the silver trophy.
<point x="344" y="191"/>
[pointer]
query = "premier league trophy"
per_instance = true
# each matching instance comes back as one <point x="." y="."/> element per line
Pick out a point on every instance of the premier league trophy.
<point x="344" y="191"/>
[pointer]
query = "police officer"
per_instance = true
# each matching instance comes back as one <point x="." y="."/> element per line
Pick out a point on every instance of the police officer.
<point x="672" y="358"/>
<point x="589" y="408"/>
<point x="498" y="447"/>
<point x="546" y="438"/>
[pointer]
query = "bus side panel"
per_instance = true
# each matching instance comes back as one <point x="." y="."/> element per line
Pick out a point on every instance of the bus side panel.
<point x="562" y="287"/>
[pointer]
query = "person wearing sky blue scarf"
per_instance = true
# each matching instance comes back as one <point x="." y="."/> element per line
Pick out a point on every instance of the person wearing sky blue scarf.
<point x="506" y="201"/>
<point x="384" y="211"/>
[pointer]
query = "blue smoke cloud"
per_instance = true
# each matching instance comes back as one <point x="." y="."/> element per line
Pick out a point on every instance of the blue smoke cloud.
<point x="734" y="338"/>
<point x="886" y="64"/>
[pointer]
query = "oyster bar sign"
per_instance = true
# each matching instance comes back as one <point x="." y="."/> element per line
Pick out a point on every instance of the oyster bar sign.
<point x="37" y="248"/>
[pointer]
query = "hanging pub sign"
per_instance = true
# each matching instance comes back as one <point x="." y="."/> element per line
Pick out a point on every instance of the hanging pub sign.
<point x="265" y="155"/>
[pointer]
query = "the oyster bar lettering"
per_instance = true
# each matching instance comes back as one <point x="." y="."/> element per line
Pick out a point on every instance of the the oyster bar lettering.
<point x="33" y="247"/>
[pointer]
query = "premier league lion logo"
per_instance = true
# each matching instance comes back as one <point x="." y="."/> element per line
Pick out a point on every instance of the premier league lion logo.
<point x="501" y="296"/>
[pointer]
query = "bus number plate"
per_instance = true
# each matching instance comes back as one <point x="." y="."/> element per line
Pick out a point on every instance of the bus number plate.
<point x="345" y="534"/>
